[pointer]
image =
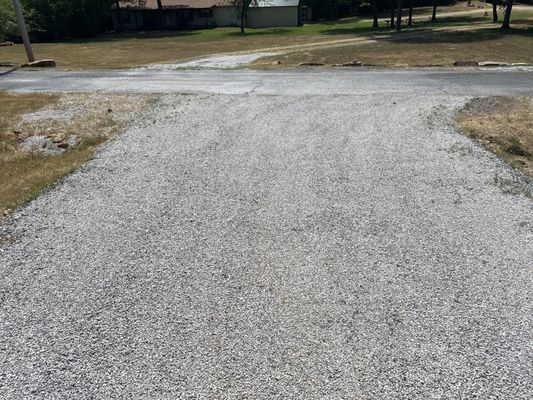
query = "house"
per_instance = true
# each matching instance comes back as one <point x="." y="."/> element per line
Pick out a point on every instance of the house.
<point x="271" y="13"/>
<point x="190" y="14"/>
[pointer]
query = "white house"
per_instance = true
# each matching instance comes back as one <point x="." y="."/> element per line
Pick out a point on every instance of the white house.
<point x="187" y="14"/>
<point x="269" y="13"/>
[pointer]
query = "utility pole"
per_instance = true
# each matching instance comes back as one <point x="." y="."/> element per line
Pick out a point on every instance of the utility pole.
<point x="23" y="31"/>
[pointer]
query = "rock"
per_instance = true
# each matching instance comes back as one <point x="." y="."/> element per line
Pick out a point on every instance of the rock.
<point x="311" y="64"/>
<point x="40" y="144"/>
<point x="277" y="62"/>
<point x="466" y="63"/>
<point x="22" y="136"/>
<point x="5" y="44"/>
<point x="353" y="64"/>
<point x="44" y="63"/>
<point x="492" y="64"/>
<point x="73" y="140"/>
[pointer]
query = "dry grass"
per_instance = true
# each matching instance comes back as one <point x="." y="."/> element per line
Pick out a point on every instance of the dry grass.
<point x="442" y="48"/>
<point x="24" y="174"/>
<point x="505" y="126"/>
<point x="131" y="50"/>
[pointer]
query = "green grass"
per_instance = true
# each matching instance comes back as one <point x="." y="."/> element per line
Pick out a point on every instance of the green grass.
<point x="125" y="50"/>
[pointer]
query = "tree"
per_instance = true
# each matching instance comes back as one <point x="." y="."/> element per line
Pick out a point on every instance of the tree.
<point x="399" y="17"/>
<point x="375" y="14"/>
<point x="392" y="11"/>
<point x="507" y="17"/>
<point x="57" y="19"/>
<point x="160" y="16"/>
<point x="242" y="7"/>
<point x="494" y="11"/>
<point x="410" y="20"/>
<point x="8" y="22"/>
<point x="434" y="14"/>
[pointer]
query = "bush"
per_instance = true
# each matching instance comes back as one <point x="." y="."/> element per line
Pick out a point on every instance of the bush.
<point x="8" y="22"/>
<point x="57" y="19"/>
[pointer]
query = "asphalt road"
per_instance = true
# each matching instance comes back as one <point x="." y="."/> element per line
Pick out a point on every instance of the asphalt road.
<point x="276" y="245"/>
<point x="358" y="80"/>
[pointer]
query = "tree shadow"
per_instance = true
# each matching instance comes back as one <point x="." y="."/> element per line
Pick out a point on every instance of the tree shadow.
<point x="477" y="35"/>
<point x="7" y="72"/>
<point x="121" y="36"/>
<point x="261" y="32"/>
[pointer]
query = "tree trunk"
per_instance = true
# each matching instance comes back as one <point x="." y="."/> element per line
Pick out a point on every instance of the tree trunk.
<point x="434" y="14"/>
<point x="375" y="24"/>
<point x="117" y="14"/>
<point x="392" y="11"/>
<point x="243" y="15"/>
<point x="334" y="9"/>
<point x="399" y="17"/>
<point x="410" y="21"/>
<point x="494" y="11"/>
<point x="507" y="17"/>
<point x="160" y="14"/>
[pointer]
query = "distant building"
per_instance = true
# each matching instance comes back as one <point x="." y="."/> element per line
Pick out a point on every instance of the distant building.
<point x="191" y="14"/>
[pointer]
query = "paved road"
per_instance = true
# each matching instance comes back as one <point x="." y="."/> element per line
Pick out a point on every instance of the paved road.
<point x="257" y="246"/>
<point x="281" y="82"/>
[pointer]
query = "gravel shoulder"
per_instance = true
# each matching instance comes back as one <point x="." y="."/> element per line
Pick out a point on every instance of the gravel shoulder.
<point x="331" y="246"/>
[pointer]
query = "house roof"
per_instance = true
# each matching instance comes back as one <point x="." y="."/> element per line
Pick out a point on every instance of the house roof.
<point x="275" y="3"/>
<point x="152" y="4"/>
<point x="195" y="4"/>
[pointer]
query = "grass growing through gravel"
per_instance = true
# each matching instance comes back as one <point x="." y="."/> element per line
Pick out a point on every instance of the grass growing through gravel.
<point x="24" y="174"/>
<point x="505" y="126"/>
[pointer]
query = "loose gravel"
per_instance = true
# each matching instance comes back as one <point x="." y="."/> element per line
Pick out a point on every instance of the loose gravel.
<point x="224" y="61"/>
<point x="306" y="247"/>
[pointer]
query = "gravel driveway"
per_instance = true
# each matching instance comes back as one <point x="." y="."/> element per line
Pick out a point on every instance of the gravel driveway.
<point x="263" y="246"/>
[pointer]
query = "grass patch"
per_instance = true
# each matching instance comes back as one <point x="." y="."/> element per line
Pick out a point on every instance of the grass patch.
<point x="125" y="50"/>
<point x="504" y="125"/>
<point x="24" y="174"/>
<point x="439" y="48"/>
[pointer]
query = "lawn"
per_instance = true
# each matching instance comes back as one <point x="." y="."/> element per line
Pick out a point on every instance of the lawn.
<point x="127" y="50"/>
<point x="442" y="48"/>
<point x="504" y="125"/>
<point x="24" y="174"/>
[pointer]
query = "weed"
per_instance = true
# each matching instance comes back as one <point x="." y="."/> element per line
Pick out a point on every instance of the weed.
<point x="515" y="147"/>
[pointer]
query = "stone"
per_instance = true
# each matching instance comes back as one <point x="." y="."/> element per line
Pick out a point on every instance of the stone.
<point x="6" y="44"/>
<point x="44" y="63"/>
<point x="311" y="64"/>
<point x="40" y="144"/>
<point x="492" y="64"/>
<point x="73" y="140"/>
<point x="277" y="62"/>
<point x="353" y="64"/>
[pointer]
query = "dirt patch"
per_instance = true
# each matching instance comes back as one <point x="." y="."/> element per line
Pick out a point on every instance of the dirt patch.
<point x="504" y="125"/>
<point x="43" y="137"/>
